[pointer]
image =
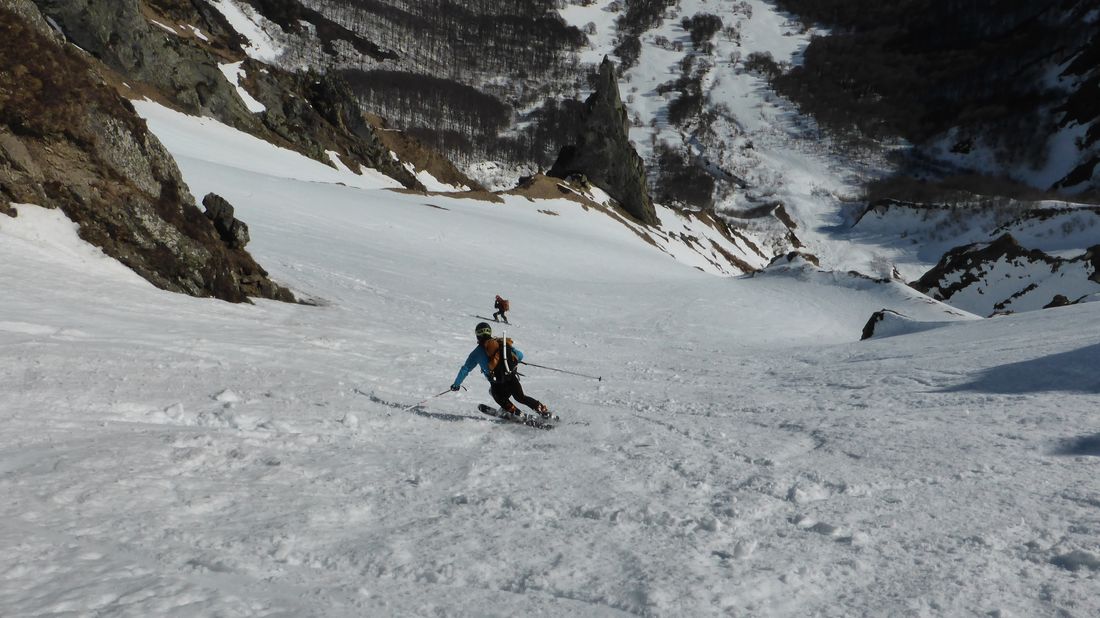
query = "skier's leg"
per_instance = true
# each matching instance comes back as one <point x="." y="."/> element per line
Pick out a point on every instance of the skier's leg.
<point x="516" y="390"/>
<point x="500" y="394"/>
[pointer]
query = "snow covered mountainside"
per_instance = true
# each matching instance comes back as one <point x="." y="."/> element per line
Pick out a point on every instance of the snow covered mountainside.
<point x="702" y="113"/>
<point x="743" y="453"/>
<point x="1010" y="257"/>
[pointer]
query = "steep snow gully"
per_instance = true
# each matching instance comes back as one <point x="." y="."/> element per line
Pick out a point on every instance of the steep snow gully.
<point x="743" y="455"/>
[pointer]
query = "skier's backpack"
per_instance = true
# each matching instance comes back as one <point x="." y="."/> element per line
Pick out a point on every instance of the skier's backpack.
<point x="498" y="368"/>
<point x="502" y="304"/>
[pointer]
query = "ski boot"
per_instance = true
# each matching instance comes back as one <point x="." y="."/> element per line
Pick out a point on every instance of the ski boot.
<point x="512" y="413"/>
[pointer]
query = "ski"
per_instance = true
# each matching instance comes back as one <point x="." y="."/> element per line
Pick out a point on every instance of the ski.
<point x="534" y="417"/>
<point x="523" y="419"/>
<point x="506" y="323"/>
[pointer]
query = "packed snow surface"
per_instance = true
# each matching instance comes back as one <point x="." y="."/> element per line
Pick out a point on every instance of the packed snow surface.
<point x="743" y="454"/>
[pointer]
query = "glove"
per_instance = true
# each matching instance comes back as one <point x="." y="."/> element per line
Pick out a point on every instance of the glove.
<point x="455" y="387"/>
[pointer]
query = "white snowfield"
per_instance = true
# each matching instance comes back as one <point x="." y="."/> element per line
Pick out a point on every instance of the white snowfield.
<point x="744" y="454"/>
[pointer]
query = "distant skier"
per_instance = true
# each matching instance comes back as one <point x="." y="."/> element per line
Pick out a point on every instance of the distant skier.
<point x="499" y="360"/>
<point x="501" y="306"/>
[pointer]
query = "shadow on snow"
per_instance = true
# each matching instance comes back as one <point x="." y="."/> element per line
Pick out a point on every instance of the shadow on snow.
<point x="419" y="410"/>
<point x="1084" y="445"/>
<point x="1074" y="372"/>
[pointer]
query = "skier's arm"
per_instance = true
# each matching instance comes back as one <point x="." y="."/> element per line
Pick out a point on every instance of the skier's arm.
<point x="471" y="362"/>
<point x="519" y="355"/>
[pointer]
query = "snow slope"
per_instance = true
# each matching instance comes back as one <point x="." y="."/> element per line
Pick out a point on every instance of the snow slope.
<point x="743" y="454"/>
<point x="915" y="237"/>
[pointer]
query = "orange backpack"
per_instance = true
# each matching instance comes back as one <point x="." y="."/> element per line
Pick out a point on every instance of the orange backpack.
<point x="494" y="348"/>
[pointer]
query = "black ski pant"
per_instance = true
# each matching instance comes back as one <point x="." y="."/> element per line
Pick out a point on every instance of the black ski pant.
<point x="502" y="316"/>
<point x="509" y="386"/>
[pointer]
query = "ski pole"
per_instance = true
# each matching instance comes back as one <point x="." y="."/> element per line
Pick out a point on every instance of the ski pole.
<point x="417" y="405"/>
<point x="572" y="373"/>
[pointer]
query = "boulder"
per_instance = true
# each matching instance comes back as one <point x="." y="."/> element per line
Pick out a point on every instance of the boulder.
<point x="232" y="230"/>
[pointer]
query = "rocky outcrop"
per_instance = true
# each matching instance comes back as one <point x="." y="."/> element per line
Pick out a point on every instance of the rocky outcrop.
<point x="888" y="323"/>
<point x="963" y="266"/>
<point x="869" y="327"/>
<point x="309" y="113"/>
<point x="1092" y="256"/>
<point x="184" y="71"/>
<point x="316" y="114"/>
<point x="1004" y="277"/>
<point x="602" y="151"/>
<point x="69" y="141"/>
<point x="795" y="258"/>
<point x="1058" y="301"/>
<point x="233" y="231"/>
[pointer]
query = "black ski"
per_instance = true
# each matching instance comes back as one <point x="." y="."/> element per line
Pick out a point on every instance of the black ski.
<point x="531" y="420"/>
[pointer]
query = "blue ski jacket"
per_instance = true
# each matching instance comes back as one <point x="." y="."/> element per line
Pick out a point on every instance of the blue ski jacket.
<point x="479" y="357"/>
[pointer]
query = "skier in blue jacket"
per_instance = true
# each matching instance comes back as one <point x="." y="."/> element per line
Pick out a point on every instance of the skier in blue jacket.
<point x="498" y="360"/>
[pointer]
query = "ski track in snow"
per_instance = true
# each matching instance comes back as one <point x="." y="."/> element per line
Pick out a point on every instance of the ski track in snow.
<point x="743" y="454"/>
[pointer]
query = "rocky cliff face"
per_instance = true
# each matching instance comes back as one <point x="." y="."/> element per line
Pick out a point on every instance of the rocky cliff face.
<point x="69" y="141"/>
<point x="309" y="113"/>
<point x="316" y="114"/>
<point x="602" y="151"/>
<point x="120" y="35"/>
